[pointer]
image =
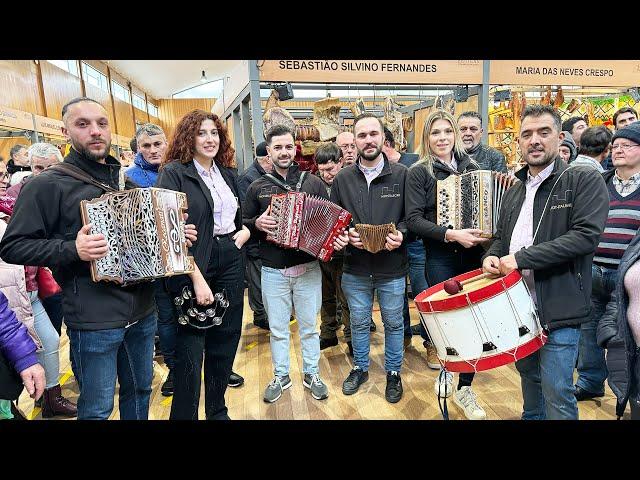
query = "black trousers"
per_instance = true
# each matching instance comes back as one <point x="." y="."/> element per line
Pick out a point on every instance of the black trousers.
<point x="253" y="276"/>
<point x="217" y="344"/>
<point x="334" y="310"/>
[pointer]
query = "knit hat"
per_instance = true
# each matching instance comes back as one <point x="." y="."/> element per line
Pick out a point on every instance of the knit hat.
<point x="631" y="131"/>
<point x="261" y="149"/>
<point x="571" y="145"/>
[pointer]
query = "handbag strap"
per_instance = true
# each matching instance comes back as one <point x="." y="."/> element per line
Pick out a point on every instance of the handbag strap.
<point x="79" y="174"/>
<point x="288" y="188"/>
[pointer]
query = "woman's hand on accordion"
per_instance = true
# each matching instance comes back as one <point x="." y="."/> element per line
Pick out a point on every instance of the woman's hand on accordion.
<point x="266" y="223"/>
<point x="467" y="237"/>
<point x="241" y="237"/>
<point x="341" y="241"/>
<point x="90" y="247"/>
<point x="190" y="231"/>
<point x="354" y="239"/>
<point x="394" y="240"/>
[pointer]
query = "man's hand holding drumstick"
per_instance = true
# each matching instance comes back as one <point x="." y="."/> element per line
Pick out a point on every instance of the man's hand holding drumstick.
<point x="500" y="266"/>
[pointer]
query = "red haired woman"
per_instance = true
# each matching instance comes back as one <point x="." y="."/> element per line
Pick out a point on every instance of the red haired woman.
<point x="198" y="162"/>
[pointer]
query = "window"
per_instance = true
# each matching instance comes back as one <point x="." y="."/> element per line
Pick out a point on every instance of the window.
<point x="139" y="102"/>
<point x="153" y="110"/>
<point x="70" y="66"/>
<point x="120" y="92"/>
<point x="94" y="77"/>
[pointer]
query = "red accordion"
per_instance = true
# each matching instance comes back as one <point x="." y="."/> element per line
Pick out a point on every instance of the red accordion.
<point x="307" y="223"/>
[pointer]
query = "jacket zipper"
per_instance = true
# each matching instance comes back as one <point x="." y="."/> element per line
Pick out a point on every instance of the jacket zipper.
<point x="580" y="279"/>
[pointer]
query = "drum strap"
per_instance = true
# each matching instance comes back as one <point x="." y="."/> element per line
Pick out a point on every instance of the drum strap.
<point x="544" y="210"/>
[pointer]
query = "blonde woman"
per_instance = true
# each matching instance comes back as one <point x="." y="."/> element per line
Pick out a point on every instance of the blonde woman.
<point x="449" y="252"/>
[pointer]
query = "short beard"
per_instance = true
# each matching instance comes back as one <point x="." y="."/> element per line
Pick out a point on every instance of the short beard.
<point x="546" y="160"/>
<point x="371" y="157"/>
<point x="277" y="164"/>
<point x="90" y="155"/>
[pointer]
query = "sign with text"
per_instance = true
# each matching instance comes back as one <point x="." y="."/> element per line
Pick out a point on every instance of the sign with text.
<point x="49" y="126"/>
<point x="15" y="119"/>
<point x="592" y="73"/>
<point x="419" y="72"/>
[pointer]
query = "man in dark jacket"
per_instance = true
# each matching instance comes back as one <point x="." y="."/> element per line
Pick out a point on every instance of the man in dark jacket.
<point x="549" y="227"/>
<point x="372" y="190"/>
<point x="488" y="158"/>
<point x="261" y="165"/>
<point x="290" y="278"/>
<point x="110" y="327"/>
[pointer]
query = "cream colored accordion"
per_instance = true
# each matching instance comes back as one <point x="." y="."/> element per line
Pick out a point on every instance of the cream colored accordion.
<point x="470" y="200"/>
<point x="144" y="232"/>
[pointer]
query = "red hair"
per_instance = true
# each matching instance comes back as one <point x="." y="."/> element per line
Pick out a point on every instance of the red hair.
<point x="182" y="146"/>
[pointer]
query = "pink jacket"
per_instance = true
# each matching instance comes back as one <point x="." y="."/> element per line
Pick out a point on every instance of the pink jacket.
<point x="13" y="285"/>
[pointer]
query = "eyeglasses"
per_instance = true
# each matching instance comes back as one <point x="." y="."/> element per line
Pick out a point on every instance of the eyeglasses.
<point x="5" y="174"/>
<point x="349" y="146"/>
<point x="624" y="147"/>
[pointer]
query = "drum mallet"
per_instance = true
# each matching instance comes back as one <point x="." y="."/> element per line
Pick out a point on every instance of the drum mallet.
<point x="453" y="286"/>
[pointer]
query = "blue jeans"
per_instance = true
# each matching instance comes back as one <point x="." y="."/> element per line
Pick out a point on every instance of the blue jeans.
<point x="359" y="291"/>
<point x="547" y="378"/>
<point x="103" y="355"/>
<point x="279" y="295"/>
<point x="167" y="324"/>
<point x="49" y="357"/>
<point x="592" y="368"/>
<point x="416" y="254"/>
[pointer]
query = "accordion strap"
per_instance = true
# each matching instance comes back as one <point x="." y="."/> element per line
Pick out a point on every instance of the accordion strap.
<point x="288" y="188"/>
<point x="79" y="174"/>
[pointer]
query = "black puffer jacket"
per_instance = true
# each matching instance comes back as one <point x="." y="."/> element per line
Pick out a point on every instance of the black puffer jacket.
<point x="42" y="232"/>
<point x="615" y="336"/>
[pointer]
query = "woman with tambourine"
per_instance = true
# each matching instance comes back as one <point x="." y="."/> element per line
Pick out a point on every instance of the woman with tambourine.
<point x="198" y="162"/>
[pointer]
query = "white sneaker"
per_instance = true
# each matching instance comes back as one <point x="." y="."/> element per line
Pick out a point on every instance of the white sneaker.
<point x="465" y="398"/>
<point x="443" y="386"/>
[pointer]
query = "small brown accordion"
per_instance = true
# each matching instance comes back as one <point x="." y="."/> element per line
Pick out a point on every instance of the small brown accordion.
<point x="374" y="237"/>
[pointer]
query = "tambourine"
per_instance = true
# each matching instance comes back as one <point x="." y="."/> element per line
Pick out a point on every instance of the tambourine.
<point x="197" y="316"/>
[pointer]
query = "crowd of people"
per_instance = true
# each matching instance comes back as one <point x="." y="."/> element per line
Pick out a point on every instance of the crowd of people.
<point x="569" y="223"/>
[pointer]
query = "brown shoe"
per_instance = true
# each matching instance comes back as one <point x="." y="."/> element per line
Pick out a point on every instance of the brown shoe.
<point x="432" y="357"/>
<point x="54" y="403"/>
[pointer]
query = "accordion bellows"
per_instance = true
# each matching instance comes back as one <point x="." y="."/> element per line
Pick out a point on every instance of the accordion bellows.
<point x="144" y="230"/>
<point x="374" y="237"/>
<point x="308" y="223"/>
<point x="470" y="200"/>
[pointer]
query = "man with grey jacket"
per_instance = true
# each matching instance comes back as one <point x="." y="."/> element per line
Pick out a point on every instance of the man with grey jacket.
<point x="549" y="227"/>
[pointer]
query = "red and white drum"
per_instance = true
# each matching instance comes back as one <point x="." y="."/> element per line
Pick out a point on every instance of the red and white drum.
<point x="490" y="323"/>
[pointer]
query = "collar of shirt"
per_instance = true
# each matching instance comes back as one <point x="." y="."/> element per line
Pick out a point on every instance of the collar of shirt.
<point x="370" y="170"/>
<point x="201" y="169"/>
<point x="533" y="180"/>
<point x="633" y="179"/>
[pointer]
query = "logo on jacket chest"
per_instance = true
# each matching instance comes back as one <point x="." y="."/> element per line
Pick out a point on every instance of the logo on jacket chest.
<point x="391" y="192"/>
<point x="268" y="192"/>
<point x="562" y="200"/>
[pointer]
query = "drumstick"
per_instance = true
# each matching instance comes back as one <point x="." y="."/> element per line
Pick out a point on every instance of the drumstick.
<point x="453" y="286"/>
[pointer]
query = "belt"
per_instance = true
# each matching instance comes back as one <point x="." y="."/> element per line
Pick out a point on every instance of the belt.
<point x="225" y="235"/>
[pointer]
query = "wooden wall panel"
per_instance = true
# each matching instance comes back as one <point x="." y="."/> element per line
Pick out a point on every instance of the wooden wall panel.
<point x="104" y="98"/>
<point x="124" y="118"/>
<point x="420" y="116"/>
<point x="19" y="86"/>
<point x="140" y="116"/>
<point x="171" y="111"/>
<point x="59" y="88"/>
